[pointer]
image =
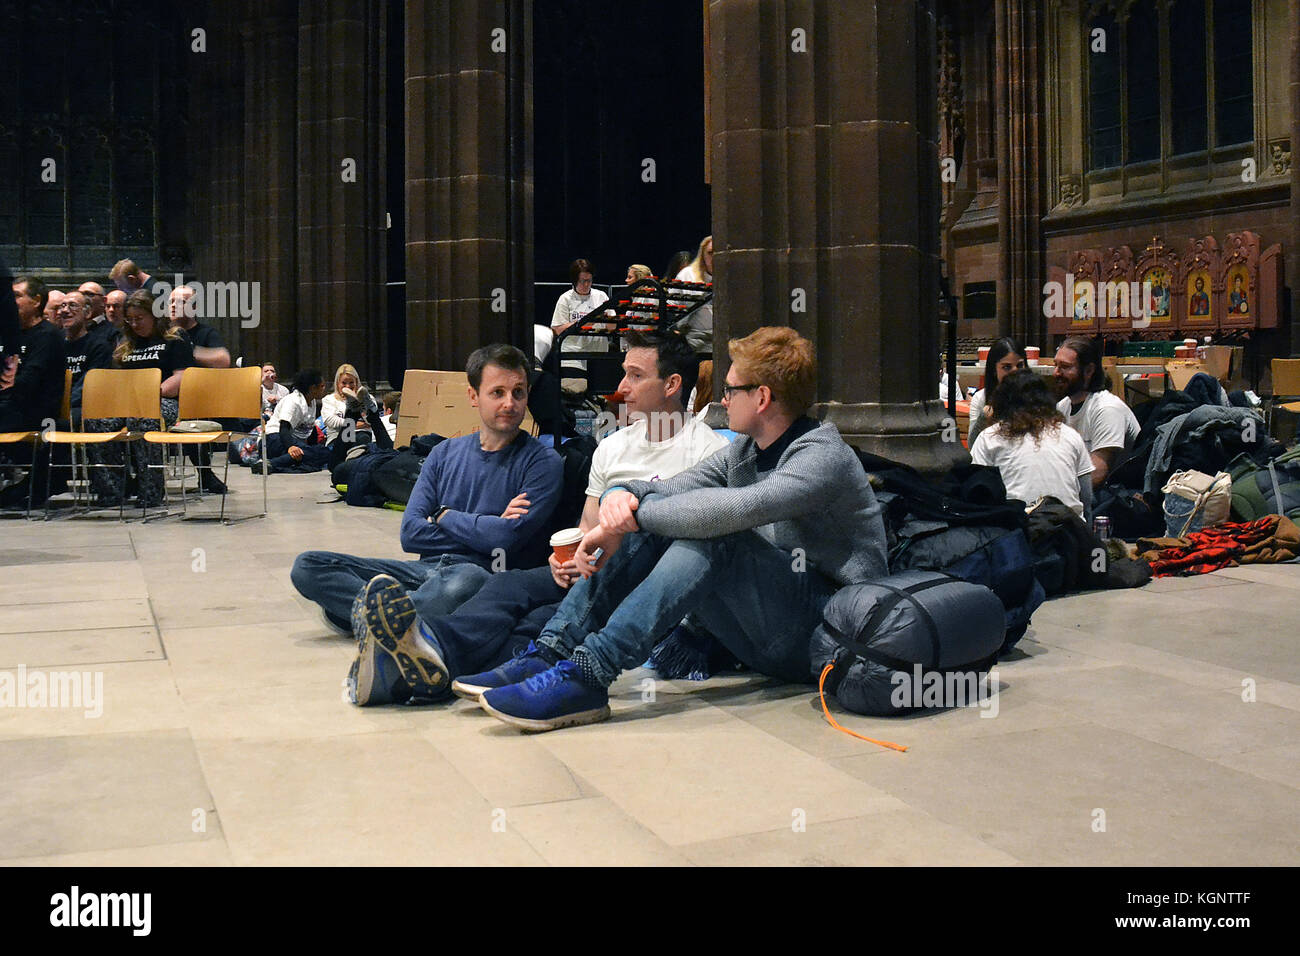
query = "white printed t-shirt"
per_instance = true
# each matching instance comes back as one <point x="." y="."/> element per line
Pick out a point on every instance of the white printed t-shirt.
<point x="1051" y="466"/>
<point x="298" y="412"/>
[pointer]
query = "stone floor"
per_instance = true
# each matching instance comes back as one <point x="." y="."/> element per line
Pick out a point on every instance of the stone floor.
<point x="1121" y="735"/>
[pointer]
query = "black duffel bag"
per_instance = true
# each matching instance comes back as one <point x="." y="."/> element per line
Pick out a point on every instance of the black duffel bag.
<point x="891" y="641"/>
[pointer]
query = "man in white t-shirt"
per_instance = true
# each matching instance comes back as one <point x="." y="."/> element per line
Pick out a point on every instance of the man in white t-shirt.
<point x="1107" y="425"/>
<point x="512" y="607"/>
<point x="272" y="390"/>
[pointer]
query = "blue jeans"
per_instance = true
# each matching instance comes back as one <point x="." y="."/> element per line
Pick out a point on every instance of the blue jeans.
<point x="488" y="629"/>
<point x="437" y="585"/>
<point x="744" y="590"/>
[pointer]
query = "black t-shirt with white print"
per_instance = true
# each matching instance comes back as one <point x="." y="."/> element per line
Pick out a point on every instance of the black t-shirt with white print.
<point x="89" y="351"/>
<point x="165" y="354"/>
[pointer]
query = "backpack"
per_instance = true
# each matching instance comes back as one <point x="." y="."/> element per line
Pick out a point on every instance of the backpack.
<point x="1253" y="492"/>
<point x="575" y="454"/>
<point x="395" y="477"/>
<point x="889" y="642"/>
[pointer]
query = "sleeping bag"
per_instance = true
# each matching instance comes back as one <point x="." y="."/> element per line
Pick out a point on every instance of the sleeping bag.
<point x="890" y="640"/>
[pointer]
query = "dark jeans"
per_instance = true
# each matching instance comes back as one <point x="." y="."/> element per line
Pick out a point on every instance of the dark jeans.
<point x="314" y="457"/>
<point x="339" y="448"/>
<point x="437" y="585"/>
<point x="755" y="599"/>
<point x="508" y="611"/>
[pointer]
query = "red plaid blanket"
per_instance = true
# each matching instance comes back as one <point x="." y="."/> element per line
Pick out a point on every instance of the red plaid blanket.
<point x="1270" y="539"/>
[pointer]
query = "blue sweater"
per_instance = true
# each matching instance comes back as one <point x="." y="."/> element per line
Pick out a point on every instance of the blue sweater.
<point x="477" y="486"/>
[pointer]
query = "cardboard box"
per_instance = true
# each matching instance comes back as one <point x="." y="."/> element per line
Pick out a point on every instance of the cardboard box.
<point x="1181" y="371"/>
<point x="438" y="402"/>
<point x="1225" y="363"/>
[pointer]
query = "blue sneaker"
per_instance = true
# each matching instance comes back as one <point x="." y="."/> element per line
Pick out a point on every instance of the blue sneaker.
<point x="555" y="698"/>
<point x="518" y="669"/>
<point x="375" y="678"/>
<point x="391" y="625"/>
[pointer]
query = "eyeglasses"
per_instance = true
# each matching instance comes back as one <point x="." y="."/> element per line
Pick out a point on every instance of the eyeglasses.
<point x="727" y="390"/>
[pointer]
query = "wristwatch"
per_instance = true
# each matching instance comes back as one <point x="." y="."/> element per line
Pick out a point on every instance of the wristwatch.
<point x="437" y="515"/>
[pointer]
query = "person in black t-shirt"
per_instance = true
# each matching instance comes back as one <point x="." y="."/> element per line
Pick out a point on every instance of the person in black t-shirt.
<point x="31" y="395"/>
<point x="209" y="350"/>
<point x="85" y="350"/>
<point x="130" y="278"/>
<point x="148" y="341"/>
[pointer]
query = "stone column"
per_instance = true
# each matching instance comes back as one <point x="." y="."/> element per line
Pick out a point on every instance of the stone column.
<point x="826" y="205"/>
<point x="217" y="160"/>
<point x="1018" y="92"/>
<point x="340" y="186"/>
<point x="270" y="159"/>
<point x="469" y="178"/>
<point x="1293" y="279"/>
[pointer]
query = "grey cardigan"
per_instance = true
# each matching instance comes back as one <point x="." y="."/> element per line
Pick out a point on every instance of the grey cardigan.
<point x="817" y="498"/>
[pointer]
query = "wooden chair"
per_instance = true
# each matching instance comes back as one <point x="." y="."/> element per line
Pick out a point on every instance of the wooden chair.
<point x="1286" y="388"/>
<point x="33" y="438"/>
<point x="216" y="393"/>
<point x="113" y="393"/>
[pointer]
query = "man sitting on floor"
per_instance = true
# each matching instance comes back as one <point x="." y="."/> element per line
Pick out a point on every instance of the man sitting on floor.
<point x="753" y="541"/>
<point x="510" y="609"/>
<point x="1107" y="425"/>
<point x="479" y="498"/>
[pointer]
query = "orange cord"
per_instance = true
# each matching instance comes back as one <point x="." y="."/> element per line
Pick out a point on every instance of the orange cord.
<point x="821" y="685"/>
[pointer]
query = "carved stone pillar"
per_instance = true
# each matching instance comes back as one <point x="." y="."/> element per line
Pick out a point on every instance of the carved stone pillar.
<point x="1021" y="197"/>
<point x="340" y="188"/>
<point x="469" y="178"/>
<point x="826" y="205"/>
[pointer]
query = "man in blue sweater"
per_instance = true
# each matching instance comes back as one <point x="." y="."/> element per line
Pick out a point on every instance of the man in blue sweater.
<point x="753" y="541"/>
<point x="480" y="499"/>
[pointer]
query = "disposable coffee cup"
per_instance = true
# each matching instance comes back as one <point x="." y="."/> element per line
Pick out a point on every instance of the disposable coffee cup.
<point x="1031" y="355"/>
<point x="565" y="544"/>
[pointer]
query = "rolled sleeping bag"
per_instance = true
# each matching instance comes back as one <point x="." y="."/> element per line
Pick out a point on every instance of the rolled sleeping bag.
<point x="892" y="640"/>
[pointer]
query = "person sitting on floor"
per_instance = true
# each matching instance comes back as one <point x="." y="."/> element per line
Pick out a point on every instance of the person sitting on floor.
<point x="1033" y="449"/>
<point x="481" y="500"/>
<point x="1006" y="355"/>
<point x="291" y="440"/>
<point x="752" y="542"/>
<point x="499" y="622"/>
<point x="351" y="417"/>
<point x="272" y="390"/>
<point x="392" y="403"/>
<point x="1107" y="425"/>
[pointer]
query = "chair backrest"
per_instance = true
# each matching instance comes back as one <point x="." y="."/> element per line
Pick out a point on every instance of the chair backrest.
<point x="208" y="393"/>
<point x="65" y="409"/>
<point x="121" y="393"/>
<point x="1286" y="376"/>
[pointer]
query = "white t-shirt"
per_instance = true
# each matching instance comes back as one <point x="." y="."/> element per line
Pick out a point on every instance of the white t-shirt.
<point x="628" y="455"/>
<point x="570" y="307"/>
<point x="1104" y="421"/>
<point x="276" y="391"/>
<point x="298" y="412"/>
<point x="1051" y="466"/>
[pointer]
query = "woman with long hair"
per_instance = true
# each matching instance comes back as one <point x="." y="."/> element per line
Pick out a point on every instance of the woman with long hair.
<point x="148" y="341"/>
<point x="699" y="328"/>
<point x="351" y="417"/>
<point x="1037" y="454"/>
<point x="1006" y="355"/>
